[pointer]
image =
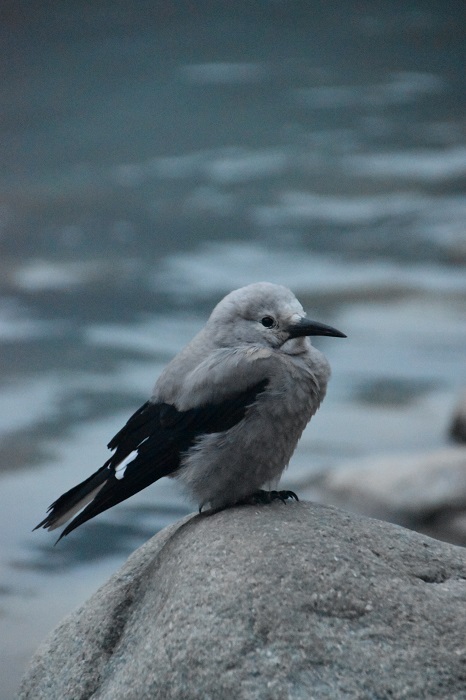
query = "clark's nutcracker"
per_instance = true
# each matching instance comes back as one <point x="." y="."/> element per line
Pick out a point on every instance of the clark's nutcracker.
<point x="225" y="415"/>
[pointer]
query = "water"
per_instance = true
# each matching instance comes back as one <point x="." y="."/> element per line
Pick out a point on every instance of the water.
<point x="154" y="159"/>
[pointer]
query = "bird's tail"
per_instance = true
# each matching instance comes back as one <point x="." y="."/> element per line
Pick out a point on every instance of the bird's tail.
<point x="65" y="507"/>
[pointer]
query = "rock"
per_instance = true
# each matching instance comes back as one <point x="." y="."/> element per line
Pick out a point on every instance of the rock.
<point x="458" y="423"/>
<point x="412" y="490"/>
<point x="293" y="601"/>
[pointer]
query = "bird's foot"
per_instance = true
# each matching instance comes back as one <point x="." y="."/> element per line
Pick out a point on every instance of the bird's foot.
<point x="261" y="497"/>
<point x="258" y="497"/>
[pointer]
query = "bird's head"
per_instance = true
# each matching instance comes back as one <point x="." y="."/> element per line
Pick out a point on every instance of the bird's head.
<point x="263" y="314"/>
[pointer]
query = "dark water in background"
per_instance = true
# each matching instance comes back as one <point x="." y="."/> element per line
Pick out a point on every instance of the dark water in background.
<point x="155" y="157"/>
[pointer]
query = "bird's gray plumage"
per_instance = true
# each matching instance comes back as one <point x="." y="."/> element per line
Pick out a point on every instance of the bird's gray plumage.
<point x="226" y="413"/>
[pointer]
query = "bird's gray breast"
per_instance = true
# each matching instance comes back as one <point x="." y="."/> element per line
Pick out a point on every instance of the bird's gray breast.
<point x="224" y="467"/>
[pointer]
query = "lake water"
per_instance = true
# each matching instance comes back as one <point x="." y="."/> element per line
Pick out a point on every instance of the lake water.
<point x="154" y="158"/>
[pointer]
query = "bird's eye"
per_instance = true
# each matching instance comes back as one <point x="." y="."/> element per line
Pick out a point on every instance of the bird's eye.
<point x="268" y="321"/>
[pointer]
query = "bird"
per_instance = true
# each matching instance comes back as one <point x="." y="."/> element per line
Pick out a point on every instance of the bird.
<point x="225" y="415"/>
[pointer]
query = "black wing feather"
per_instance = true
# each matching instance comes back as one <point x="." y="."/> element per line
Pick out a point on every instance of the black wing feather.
<point x="160" y="434"/>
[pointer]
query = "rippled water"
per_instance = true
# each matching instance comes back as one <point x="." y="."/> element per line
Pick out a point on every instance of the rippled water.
<point x="153" y="160"/>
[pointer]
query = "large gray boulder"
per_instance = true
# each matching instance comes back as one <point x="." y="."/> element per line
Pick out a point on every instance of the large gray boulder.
<point x="458" y="423"/>
<point x="425" y="491"/>
<point x="275" y="602"/>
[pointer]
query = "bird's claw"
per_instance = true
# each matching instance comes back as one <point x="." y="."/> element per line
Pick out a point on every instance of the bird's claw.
<point x="262" y="497"/>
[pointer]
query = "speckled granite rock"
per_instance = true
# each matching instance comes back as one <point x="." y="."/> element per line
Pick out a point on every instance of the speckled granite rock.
<point x="294" y="602"/>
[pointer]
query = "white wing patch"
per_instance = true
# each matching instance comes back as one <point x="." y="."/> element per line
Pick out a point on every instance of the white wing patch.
<point x="121" y="468"/>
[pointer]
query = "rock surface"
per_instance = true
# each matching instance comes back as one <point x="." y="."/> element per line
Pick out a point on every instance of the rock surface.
<point x="296" y="602"/>
<point x="458" y="423"/>
<point x="425" y="491"/>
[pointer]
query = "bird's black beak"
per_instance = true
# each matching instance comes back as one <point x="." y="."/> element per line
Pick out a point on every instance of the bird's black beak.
<point x="307" y="327"/>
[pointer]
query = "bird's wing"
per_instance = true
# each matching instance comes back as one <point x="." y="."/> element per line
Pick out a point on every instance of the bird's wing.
<point x="147" y="448"/>
<point x="222" y="374"/>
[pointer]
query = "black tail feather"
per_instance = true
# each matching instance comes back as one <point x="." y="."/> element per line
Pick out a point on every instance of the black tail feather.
<point x="115" y="491"/>
<point x="71" y="498"/>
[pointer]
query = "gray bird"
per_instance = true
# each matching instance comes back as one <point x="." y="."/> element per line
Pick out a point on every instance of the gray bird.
<point x="225" y="415"/>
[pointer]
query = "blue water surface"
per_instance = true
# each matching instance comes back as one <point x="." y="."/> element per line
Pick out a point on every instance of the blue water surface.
<point x="156" y="156"/>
